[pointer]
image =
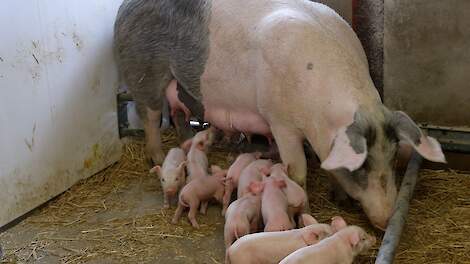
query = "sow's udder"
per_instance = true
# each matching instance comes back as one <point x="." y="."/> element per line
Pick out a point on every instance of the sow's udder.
<point x="233" y="121"/>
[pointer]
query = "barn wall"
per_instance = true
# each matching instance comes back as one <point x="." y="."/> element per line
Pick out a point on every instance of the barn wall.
<point x="343" y="7"/>
<point x="368" y="22"/>
<point x="58" y="119"/>
<point x="427" y="60"/>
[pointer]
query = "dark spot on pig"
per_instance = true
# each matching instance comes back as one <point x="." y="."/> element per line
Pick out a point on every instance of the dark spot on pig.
<point x="403" y="125"/>
<point x="358" y="130"/>
<point x="309" y="66"/>
<point x="357" y="178"/>
<point x="1" y="59"/>
<point x="389" y="132"/>
<point x="383" y="181"/>
<point x="360" y="176"/>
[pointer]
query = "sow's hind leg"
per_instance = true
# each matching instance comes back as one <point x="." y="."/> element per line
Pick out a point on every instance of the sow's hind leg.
<point x="153" y="142"/>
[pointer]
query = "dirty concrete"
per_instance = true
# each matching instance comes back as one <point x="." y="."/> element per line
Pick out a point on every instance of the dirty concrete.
<point x="427" y="60"/>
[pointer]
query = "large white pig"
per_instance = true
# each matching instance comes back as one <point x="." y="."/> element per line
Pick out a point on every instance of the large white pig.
<point x="291" y="69"/>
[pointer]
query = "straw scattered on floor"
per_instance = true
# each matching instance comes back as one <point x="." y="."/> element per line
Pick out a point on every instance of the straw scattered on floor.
<point x="437" y="230"/>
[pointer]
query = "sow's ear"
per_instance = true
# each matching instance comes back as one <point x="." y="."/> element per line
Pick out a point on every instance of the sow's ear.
<point x="406" y="130"/>
<point x="349" y="150"/>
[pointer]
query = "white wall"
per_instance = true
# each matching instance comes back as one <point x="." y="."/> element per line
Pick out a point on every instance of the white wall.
<point x="58" y="120"/>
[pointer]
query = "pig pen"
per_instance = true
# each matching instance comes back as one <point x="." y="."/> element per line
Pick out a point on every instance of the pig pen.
<point x="116" y="216"/>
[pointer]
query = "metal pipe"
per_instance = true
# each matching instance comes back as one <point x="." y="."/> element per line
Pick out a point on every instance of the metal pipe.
<point x="456" y="139"/>
<point x="400" y="212"/>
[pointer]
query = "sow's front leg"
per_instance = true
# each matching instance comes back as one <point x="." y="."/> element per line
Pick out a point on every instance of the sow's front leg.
<point x="290" y="144"/>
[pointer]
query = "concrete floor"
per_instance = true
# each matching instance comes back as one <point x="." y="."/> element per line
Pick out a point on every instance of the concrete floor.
<point x="31" y="242"/>
<point x="108" y="219"/>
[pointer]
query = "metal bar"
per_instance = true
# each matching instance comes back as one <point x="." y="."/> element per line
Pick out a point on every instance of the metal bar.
<point x="125" y="97"/>
<point x="397" y="221"/>
<point x="456" y="139"/>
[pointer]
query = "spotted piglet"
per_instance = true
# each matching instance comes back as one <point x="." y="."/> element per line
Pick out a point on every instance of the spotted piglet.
<point x="342" y="247"/>
<point x="172" y="174"/>
<point x="233" y="174"/>
<point x="244" y="215"/>
<point x="200" y="190"/>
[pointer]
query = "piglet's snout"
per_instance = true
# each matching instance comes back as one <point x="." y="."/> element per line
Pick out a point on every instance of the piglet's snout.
<point x="171" y="191"/>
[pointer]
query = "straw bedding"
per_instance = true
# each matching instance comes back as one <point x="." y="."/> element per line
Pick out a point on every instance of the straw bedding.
<point x="96" y="221"/>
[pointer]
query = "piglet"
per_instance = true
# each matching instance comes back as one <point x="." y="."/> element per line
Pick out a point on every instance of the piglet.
<point x="203" y="138"/>
<point x="197" y="158"/>
<point x="171" y="174"/>
<point x="342" y="248"/>
<point x="200" y="190"/>
<point x="233" y="174"/>
<point x="296" y="196"/>
<point x="272" y="247"/>
<point x="243" y="216"/>
<point x="253" y="172"/>
<point x="274" y="206"/>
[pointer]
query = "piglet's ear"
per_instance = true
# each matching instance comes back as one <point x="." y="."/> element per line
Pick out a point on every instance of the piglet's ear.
<point x="256" y="187"/>
<point x="200" y="145"/>
<point x="156" y="169"/>
<point x="354" y="238"/>
<point x="265" y="171"/>
<point x="337" y="223"/>
<point x="285" y="168"/>
<point x="280" y="183"/>
<point x="306" y="220"/>
<point x="215" y="169"/>
<point x="406" y="130"/>
<point x="257" y="154"/>
<point x="180" y="167"/>
<point x="310" y="237"/>
<point x="349" y="150"/>
<point x="186" y="145"/>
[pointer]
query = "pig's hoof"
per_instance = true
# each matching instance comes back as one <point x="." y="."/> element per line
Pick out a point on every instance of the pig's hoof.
<point x="166" y="206"/>
<point x="174" y="221"/>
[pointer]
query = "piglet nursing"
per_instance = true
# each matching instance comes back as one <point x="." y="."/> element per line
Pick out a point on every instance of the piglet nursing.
<point x="244" y="215"/>
<point x="296" y="196"/>
<point x="233" y="174"/>
<point x="253" y="172"/>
